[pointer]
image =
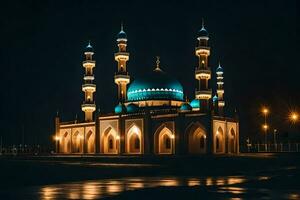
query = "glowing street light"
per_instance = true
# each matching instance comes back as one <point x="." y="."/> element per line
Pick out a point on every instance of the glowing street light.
<point x="294" y="117"/>
<point x="265" y="127"/>
<point x="265" y="112"/>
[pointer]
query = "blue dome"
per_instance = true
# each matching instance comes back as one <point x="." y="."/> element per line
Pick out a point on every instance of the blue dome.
<point x="185" y="107"/>
<point x="131" y="108"/>
<point x="203" y="32"/>
<point x="215" y="98"/>
<point x="195" y="103"/>
<point x="155" y="86"/>
<point x="122" y="35"/>
<point x="120" y="108"/>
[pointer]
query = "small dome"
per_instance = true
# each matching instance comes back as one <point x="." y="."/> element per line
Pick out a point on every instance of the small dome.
<point x="215" y="98"/>
<point x="120" y="108"/>
<point x="203" y="32"/>
<point x="89" y="48"/>
<point x="186" y="107"/>
<point x="131" y="108"/>
<point x="121" y="36"/>
<point x="219" y="69"/>
<point x="195" y="104"/>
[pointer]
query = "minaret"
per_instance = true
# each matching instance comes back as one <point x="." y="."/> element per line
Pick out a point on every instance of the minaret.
<point x="220" y="89"/>
<point x="203" y="72"/>
<point x="88" y="106"/>
<point x="121" y="77"/>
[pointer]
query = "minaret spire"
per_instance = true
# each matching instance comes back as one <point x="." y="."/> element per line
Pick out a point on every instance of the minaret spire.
<point x="88" y="106"/>
<point x="157" y="68"/>
<point x="122" y="56"/>
<point x="203" y="72"/>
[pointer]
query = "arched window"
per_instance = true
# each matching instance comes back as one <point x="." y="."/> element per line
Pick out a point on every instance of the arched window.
<point x="168" y="143"/>
<point x="217" y="143"/>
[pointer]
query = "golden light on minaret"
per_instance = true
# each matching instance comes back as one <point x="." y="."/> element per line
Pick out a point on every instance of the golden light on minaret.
<point x="220" y="89"/>
<point x="122" y="56"/>
<point x="88" y="106"/>
<point x="203" y="72"/>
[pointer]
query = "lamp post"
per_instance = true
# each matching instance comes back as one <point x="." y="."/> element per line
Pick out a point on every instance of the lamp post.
<point x="294" y="118"/>
<point x="265" y="112"/>
<point x="275" y="142"/>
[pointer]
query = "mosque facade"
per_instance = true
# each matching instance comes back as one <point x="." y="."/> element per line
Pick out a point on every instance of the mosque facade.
<point x="152" y="117"/>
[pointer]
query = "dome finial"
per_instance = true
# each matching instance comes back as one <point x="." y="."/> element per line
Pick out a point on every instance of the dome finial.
<point x="122" y="26"/>
<point x="157" y="64"/>
<point x="202" y="22"/>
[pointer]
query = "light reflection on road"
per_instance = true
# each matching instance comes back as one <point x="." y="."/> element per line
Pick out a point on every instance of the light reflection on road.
<point x="104" y="188"/>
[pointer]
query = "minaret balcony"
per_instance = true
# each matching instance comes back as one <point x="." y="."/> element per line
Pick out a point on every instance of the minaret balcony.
<point x="89" y="63"/>
<point x="88" y="107"/>
<point x="202" y="50"/>
<point x="221" y="103"/>
<point x="202" y="74"/>
<point x="220" y="91"/>
<point x="89" y="87"/>
<point x="122" y="78"/>
<point x="88" y="78"/>
<point x="203" y="94"/>
<point x="122" y="56"/>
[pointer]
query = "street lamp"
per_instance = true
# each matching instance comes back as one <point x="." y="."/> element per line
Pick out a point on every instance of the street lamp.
<point x="265" y="112"/>
<point x="294" y="117"/>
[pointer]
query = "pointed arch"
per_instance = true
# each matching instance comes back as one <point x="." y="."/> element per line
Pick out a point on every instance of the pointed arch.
<point x="77" y="142"/>
<point x="219" y="141"/>
<point x="133" y="140"/>
<point x="109" y="141"/>
<point x="90" y="142"/>
<point x="65" y="143"/>
<point x="164" y="142"/>
<point x="196" y="138"/>
<point x="232" y="141"/>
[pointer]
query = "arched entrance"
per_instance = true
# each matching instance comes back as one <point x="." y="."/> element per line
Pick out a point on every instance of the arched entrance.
<point x="110" y="141"/>
<point x="231" y="142"/>
<point x="219" y="141"/>
<point x="133" y="140"/>
<point x="77" y="142"/>
<point x="197" y="141"/>
<point x="90" y="142"/>
<point x="164" y="141"/>
<point x="65" y="146"/>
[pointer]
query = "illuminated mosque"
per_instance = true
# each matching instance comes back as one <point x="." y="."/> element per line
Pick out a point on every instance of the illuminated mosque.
<point x="152" y="116"/>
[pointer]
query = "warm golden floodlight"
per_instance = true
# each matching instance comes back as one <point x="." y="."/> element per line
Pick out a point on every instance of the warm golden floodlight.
<point x="56" y="138"/>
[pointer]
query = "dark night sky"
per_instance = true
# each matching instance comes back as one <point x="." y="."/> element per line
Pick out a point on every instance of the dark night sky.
<point x="42" y="44"/>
